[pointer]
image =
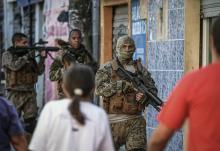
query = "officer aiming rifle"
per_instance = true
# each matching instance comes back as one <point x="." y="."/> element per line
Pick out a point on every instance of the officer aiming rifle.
<point x="21" y="74"/>
<point x="22" y="50"/>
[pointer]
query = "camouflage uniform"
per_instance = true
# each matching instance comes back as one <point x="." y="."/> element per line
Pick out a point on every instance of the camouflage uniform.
<point x="119" y="100"/>
<point x="80" y="55"/>
<point x="21" y="73"/>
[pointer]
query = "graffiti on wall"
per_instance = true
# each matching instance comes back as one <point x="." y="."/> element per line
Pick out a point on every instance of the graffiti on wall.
<point x="53" y="29"/>
<point x="80" y="15"/>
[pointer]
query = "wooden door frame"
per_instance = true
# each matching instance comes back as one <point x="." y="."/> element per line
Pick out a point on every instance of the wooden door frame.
<point x="191" y="46"/>
<point x="106" y="26"/>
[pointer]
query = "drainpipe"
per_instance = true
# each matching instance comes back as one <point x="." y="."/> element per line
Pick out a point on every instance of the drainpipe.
<point x="96" y="29"/>
<point x="8" y="26"/>
<point x="96" y="35"/>
<point x="30" y="22"/>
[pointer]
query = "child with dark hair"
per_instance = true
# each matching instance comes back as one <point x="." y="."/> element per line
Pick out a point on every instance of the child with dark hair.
<point x="73" y="124"/>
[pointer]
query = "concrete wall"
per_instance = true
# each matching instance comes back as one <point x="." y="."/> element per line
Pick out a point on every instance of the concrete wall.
<point x="165" y="53"/>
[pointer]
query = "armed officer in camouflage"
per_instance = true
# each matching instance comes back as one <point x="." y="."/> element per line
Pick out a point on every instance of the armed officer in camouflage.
<point x="73" y="52"/>
<point x="21" y="72"/>
<point x="123" y="103"/>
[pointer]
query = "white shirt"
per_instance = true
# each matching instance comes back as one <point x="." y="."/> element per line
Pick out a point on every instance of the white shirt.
<point x="58" y="131"/>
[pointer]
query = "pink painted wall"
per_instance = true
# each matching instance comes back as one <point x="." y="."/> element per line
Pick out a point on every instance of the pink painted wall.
<point x="52" y="30"/>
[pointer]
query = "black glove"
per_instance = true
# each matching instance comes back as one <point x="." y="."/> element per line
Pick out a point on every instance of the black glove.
<point x="30" y="55"/>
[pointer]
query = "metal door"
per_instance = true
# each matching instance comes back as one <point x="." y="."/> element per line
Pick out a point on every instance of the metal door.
<point x="210" y="8"/>
<point x="120" y="23"/>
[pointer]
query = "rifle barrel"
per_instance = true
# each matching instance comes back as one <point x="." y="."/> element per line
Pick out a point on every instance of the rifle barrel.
<point x="37" y="48"/>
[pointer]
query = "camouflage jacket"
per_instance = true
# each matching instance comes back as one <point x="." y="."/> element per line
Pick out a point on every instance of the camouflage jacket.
<point x="81" y="55"/>
<point x="21" y="71"/>
<point x="109" y="88"/>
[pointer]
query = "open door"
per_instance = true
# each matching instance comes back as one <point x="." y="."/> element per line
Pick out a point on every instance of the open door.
<point x="115" y="22"/>
<point x="210" y="10"/>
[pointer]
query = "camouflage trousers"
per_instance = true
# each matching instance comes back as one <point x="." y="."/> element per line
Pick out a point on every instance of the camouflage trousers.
<point x="25" y="103"/>
<point x="131" y="132"/>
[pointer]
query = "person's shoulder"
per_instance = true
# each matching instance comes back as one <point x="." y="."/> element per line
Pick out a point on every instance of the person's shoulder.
<point x="6" y="54"/>
<point x="57" y="105"/>
<point x="214" y="67"/>
<point x="106" y="66"/>
<point x="60" y="102"/>
<point x="57" y="61"/>
<point x="103" y="70"/>
<point x="93" y="111"/>
<point x="85" y="51"/>
<point x="6" y="105"/>
<point x="140" y="66"/>
<point x="58" y="58"/>
<point x="194" y="74"/>
<point x="82" y="47"/>
<point x="5" y="102"/>
<point x="207" y="72"/>
<point x="89" y="105"/>
<point x="195" y="77"/>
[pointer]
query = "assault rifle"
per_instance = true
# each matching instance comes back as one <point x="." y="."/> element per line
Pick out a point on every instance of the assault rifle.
<point x="138" y="83"/>
<point x="63" y="44"/>
<point x="24" y="50"/>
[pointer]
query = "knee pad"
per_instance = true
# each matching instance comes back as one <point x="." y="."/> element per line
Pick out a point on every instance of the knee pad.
<point x="30" y="125"/>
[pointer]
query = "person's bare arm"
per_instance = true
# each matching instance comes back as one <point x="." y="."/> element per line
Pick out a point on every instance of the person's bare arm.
<point x="160" y="138"/>
<point x="19" y="142"/>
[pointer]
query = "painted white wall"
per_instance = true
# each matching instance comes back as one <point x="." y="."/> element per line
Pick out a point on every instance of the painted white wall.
<point x="38" y="35"/>
<point x="8" y="23"/>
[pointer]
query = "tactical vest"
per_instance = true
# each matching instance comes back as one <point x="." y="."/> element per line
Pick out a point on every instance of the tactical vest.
<point x="27" y="75"/>
<point x="122" y="103"/>
<point x="79" y="54"/>
<point x="80" y="57"/>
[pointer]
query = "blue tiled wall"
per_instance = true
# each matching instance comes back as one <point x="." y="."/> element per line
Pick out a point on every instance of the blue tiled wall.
<point x="165" y="58"/>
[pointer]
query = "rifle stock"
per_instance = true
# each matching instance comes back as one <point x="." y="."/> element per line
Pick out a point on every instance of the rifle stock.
<point x="138" y="84"/>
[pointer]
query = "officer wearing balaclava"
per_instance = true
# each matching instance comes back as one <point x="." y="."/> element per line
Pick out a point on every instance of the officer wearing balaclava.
<point x="121" y="100"/>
